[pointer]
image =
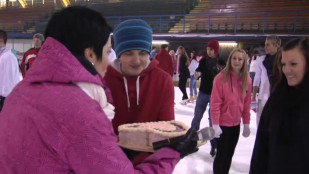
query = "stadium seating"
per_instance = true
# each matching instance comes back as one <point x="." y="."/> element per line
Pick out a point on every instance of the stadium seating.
<point x="178" y="16"/>
<point x="246" y="16"/>
<point x="15" y="19"/>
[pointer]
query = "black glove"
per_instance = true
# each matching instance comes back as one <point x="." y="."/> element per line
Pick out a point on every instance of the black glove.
<point x="185" y="146"/>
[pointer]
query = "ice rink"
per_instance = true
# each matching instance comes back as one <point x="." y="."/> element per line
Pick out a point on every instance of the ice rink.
<point x="201" y="162"/>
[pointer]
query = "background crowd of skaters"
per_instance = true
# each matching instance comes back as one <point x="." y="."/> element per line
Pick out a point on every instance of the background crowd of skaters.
<point x="84" y="101"/>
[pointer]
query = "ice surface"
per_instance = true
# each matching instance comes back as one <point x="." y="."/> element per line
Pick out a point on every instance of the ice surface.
<point x="201" y="162"/>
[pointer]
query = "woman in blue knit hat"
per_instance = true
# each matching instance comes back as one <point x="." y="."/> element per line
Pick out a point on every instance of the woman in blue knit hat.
<point x="142" y="92"/>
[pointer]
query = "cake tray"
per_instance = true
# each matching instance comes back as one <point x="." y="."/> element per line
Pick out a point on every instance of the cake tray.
<point x="150" y="148"/>
<point x="138" y="148"/>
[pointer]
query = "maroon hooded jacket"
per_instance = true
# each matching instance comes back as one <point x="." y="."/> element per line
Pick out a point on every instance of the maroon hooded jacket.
<point x="147" y="97"/>
<point x="28" y="59"/>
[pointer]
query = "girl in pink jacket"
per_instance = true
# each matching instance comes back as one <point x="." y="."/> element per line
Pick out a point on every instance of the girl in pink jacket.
<point x="230" y="101"/>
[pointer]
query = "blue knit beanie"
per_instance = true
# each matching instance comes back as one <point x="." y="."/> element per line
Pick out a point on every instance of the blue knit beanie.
<point x="133" y="34"/>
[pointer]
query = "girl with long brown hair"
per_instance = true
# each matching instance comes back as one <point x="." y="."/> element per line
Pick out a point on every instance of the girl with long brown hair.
<point x="184" y="73"/>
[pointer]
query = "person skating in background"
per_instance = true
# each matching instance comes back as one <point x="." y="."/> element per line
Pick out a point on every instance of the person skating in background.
<point x="184" y="74"/>
<point x="207" y="70"/>
<point x="192" y="67"/>
<point x="252" y="63"/>
<point x="263" y="73"/>
<point x="165" y="60"/>
<point x="153" y="52"/>
<point x="30" y="55"/>
<point x="174" y="58"/>
<point x="281" y="144"/>
<point x="9" y="69"/>
<point x="230" y="102"/>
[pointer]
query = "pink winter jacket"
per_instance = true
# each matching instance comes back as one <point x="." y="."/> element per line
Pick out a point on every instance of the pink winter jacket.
<point x="228" y="104"/>
<point x="50" y="126"/>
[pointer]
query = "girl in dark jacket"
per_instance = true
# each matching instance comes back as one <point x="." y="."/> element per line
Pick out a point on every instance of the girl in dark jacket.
<point x="282" y="139"/>
<point x="184" y="73"/>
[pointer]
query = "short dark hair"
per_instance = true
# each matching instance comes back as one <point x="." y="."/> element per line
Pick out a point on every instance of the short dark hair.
<point x="163" y="46"/>
<point x="3" y="36"/>
<point x="79" y="28"/>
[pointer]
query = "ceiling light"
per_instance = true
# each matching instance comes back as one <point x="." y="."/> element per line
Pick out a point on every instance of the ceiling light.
<point x="228" y="43"/>
<point x="159" y="42"/>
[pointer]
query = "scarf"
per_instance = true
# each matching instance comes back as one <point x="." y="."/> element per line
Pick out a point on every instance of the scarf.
<point x="96" y="92"/>
<point x="268" y="64"/>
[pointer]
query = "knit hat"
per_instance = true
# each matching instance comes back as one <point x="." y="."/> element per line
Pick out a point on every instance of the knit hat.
<point x="133" y="34"/>
<point x="214" y="44"/>
<point x="39" y="36"/>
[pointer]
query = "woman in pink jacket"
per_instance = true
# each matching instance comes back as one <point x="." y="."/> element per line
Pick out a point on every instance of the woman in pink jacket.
<point x="230" y="101"/>
<point x="55" y="120"/>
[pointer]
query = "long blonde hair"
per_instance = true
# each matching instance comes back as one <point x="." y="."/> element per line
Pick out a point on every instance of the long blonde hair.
<point x="183" y="52"/>
<point x="243" y="71"/>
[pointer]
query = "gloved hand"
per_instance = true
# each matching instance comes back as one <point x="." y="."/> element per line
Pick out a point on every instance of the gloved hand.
<point x="246" y="130"/>
<point x="218" y="130"/>
<point x="185" y="146"/>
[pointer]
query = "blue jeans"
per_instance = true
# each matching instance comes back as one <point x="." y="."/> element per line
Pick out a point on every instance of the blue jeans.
<point x="201" y="104"/>
<point x="193" y="90"/>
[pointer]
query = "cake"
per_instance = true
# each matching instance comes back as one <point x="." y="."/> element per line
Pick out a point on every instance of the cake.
<point x="140" y="136"/>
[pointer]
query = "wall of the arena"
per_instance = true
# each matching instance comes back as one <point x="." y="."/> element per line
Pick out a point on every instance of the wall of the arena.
<point x="20" y="45"/>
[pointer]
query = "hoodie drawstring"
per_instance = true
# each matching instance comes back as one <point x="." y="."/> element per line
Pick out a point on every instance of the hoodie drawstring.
<point x="137" y="91"/>
<point x="127" y="90"/>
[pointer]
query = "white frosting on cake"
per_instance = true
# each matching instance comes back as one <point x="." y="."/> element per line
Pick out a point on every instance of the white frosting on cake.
<point x="144" y="134"/>
<point x="161" y="126"/>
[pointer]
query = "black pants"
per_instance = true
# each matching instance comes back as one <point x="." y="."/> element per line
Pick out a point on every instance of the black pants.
<point x="225" y="149"/>
<point x="252" y="74"/>
<point x="213" y="143"/>
<point x="182" y="86"/>
<point x="1" y="102"/>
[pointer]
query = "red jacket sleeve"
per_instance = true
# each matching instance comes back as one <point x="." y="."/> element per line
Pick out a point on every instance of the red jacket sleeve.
<point x="167" y="110"/>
